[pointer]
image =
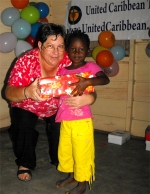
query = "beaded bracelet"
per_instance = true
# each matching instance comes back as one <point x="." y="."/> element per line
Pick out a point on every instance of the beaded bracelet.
<point x="25" y="92"/>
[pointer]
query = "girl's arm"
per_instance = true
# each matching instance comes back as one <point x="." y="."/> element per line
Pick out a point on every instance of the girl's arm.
<point x="100" y="79"/>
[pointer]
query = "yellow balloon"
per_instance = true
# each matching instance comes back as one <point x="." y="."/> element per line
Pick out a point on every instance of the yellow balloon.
<point x="96" y="50"/>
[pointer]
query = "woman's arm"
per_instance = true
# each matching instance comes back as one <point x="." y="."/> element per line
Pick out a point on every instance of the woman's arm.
<point x="15" y="94"/>
<point x="79" y="101"/>
<point x="18" y="93"/>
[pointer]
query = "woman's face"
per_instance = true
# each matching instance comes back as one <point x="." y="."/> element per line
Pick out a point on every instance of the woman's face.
<point x="52" y="51"/>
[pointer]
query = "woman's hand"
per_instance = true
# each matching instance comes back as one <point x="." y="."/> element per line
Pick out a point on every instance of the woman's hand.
<point x="17" y="93"/>
<point x="33" y="91"/>
<point x="79" y="101"/>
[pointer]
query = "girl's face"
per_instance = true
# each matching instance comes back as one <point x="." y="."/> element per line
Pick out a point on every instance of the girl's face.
<point x="77" y="51"/>
<point x="52" y="50"/>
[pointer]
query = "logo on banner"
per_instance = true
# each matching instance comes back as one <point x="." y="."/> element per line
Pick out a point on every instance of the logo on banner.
<point x="75" y="15"/>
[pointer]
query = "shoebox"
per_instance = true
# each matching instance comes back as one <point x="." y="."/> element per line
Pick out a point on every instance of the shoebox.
<point x="118" y="137"/>
<point x="147" y="145"/>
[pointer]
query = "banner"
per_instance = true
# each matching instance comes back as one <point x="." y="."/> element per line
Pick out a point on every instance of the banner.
<point x="127" y="19"/>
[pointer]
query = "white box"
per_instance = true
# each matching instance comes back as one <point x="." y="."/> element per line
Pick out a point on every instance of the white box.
<point x="118" y="137"/>
<point x="147" y="145"/>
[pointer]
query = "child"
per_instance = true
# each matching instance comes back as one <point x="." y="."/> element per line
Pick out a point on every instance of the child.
<point x="76" y="143"/>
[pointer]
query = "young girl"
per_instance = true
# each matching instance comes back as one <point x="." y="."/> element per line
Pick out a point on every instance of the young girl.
<point x="76" y="143"/>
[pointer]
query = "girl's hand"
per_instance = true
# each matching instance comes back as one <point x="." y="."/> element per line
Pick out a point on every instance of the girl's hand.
<point x="83" y="83"/>
<point x="80" y="86"/>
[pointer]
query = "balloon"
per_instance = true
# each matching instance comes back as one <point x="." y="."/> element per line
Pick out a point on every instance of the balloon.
<point x="31" y="14"/>
<point x="19" y="4"/>
<point x="106" y="39"/>
<point x="43" y="20"/>
<point x="104" y="58"/>
<point x="32" y="3"/>
<point x="96" y="50"/>
<point x="9" y="15"/>
<point x="34" y="29"/>
<point x="148" y="50"/>
<point x="21" y="28"/>
<point x="30" y="40"/>
<point x="21" y="47"/>
<point x="21" y="38"/>
<point x="118" y="52"/>
<point x="8" y="42"/>
<point x="112" y="70"/>
<point x="43" y="9"/>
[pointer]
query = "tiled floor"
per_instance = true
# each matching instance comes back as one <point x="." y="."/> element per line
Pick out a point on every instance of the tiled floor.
<point x="120" y="169"/>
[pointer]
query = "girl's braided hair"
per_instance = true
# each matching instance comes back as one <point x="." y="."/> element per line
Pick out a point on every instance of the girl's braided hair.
<point x="77" y="34"/>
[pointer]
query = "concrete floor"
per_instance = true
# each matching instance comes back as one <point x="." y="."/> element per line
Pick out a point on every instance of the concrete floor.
<point x="120" y="169"/>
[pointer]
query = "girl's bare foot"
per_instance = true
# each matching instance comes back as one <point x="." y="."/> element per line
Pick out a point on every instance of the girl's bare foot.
<point x="79" y="189"/>
<point x="69" y="180"/>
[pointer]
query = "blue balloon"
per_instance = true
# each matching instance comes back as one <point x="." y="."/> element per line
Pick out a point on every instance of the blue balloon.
<point x="43" y="9"/>
<point x="21" y="28"/>
<point x="118" y="52"/>
<point x="148" y="50"/>
<point x="9" y="15"/>
<point x="34" y="29"/>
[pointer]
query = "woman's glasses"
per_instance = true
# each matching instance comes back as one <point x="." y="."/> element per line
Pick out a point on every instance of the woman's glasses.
<point x="60" y="48"/>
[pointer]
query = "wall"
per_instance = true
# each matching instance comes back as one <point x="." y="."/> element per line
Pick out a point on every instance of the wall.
<point x="123" y="104"/>
<point x="5" y="60"/>
<point x="141" y="89"/>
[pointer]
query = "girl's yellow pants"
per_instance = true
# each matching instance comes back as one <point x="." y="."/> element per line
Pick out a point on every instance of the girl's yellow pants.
<point x="76" y="151"/>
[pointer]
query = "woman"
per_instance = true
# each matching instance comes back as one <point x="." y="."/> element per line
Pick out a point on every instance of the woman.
<point x="27" y="105"/>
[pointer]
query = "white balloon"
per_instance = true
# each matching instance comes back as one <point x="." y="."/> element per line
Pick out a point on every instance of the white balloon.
<point x="21" y="47"/>
<point x="8" y="42"/>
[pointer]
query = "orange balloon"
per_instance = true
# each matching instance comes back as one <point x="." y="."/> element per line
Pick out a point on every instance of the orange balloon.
<point x="19" y="4"/>
<point x="43" y="20"/>
<point x="106" y="39"/>
<point x="104" y="58"/>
